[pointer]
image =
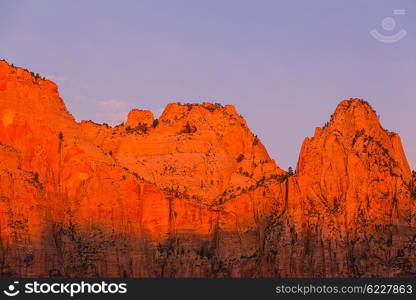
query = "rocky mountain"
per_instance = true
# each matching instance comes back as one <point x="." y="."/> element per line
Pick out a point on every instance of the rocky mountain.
<point x="195" y="194"/>
<point x="352" y="209"/>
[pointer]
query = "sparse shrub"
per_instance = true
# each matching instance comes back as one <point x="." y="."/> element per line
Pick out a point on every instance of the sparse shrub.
<point x="155" y="123"/>
<point x="240" y="158"/>
<point x="141" y="127"/>
<point x="188" y="128"/>
<point x="413" y="187"/>
<point x="211" y="108"/>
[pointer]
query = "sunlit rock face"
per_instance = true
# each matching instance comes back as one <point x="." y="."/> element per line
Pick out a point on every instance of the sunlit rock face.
<point x="195" y="194"/>
<point x="351" y="204"/>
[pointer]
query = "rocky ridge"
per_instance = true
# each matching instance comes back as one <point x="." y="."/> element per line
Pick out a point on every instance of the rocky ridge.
<point x="195" y="194"/>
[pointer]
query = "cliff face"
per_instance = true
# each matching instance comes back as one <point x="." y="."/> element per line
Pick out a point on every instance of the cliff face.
<point x="351" y="206"/>
<point x="177" y="197"/>
<point x="195" y="194"/>
<point x="204" y="152"/>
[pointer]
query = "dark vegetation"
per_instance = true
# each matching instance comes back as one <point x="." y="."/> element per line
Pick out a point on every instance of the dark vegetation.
<point x="358" y="134"/>
<point x="188" y="128"/>
<point x="139" y="129"/>
<point x="208" y="106"/>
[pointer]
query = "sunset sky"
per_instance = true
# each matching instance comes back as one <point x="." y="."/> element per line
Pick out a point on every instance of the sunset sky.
<point x="284" y="64"/>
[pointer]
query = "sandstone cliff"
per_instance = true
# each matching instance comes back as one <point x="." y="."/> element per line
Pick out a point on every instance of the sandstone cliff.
<point x="351" y="206"/>
<point x="195" y="194"/>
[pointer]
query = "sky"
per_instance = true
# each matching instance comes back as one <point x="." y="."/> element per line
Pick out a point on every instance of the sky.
<point x="284" y="64"/>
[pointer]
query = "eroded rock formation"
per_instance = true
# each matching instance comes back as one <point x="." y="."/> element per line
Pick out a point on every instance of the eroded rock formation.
<point x="195" y="194"/>
<point x="351" y="204"/>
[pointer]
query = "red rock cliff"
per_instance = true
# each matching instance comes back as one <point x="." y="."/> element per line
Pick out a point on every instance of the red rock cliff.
<point x="194" y="194"/>
<point x="350" y="204"/>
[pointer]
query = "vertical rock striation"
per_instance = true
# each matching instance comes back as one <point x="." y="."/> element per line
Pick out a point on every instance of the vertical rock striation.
<point x="195" y="194"/>
<point x="351" y="205"/>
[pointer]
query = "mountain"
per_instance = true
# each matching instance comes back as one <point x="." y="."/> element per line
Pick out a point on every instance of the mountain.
<point x="352" y="209"/>
<point x="195" y="194"/>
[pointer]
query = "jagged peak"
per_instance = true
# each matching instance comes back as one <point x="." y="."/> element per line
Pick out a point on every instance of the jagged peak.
<point x="354" y="105"/>
<point x="354" y="115"/>
<point x="354" y="109"/>
<point x="355" y="127"/>
<point x="205" y="115"/>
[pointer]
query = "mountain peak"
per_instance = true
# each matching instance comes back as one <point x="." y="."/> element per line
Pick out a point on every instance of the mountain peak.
<point x="26" y="94"/>
<point x="353" y="116"/>
<point x="195" y="194"/>
<point x="354" y="125"/>
<point x="354" y="129"/>
<point x="10" y="72"/>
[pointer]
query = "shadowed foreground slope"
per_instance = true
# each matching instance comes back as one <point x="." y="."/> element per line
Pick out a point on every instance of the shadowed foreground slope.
<point x="195" y="194"/>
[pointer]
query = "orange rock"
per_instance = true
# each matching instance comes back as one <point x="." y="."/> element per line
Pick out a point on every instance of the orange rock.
<point x="353" y="203"/>
<point x="195" y="194"/>
<point x="138" y="117"/>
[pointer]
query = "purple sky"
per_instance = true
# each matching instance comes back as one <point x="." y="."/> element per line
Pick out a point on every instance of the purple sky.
<point x="284" y="64"/>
